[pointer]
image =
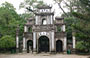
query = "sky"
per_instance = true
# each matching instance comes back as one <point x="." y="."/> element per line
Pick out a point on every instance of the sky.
<point x="16" y="4"/>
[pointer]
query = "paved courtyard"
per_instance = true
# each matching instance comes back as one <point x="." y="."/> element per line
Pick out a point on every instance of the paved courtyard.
<point x="41" y="56"/>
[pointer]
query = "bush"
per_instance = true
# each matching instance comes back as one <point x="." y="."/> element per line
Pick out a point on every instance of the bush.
<point x="7" y="42"/>
<point x="80" y="45"/>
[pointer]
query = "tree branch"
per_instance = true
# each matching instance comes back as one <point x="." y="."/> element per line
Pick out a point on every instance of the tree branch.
<point x="62" y="9"/>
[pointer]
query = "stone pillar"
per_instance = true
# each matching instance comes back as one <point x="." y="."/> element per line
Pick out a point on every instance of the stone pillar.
<point x="25" y="29"/>
<point x="52" y="42"/>
<point x="63" y="28"/>
<point x="34" y="42"/>
<point x="48" y="20"/>
<point x="17" y="42"/>
<point x="17" y="39"/>
<point x="65" y="44"/>
<point x="51" y="19"/>
<point x="24" y="44"/>
<point x="74" y="40"/>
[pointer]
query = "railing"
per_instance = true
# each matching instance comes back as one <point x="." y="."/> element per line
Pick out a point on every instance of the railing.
<point x="60" y="34"/>
<point x="43" y="27"/>
<point x="28" y="34"/>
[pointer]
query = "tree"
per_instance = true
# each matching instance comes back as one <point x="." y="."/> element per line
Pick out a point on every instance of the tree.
<point x="80" y="45"/>
<point x="59" y="4"/>
<point x="79" y="10"/>
<point x="7" y="42"/>
<point x="69" y="27"/>
<point x="9" y="20"/>
<point x="83" y="26"/>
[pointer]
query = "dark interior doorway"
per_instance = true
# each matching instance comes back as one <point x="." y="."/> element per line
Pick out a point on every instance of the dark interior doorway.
<point x="43" y="44"/>
<point x="59" y="47"/>
<point x="29" y="46"/>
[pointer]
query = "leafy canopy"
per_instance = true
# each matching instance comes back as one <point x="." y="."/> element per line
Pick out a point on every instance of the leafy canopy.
<point x="7" y="42"/>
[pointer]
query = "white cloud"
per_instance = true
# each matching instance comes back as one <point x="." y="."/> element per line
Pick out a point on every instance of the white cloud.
<point x="16" y="4"/>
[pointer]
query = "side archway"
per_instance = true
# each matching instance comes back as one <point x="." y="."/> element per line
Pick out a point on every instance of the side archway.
<point x="59" y="46"/>
<point x="29" y="46"/>
<point x="43" y="44"/>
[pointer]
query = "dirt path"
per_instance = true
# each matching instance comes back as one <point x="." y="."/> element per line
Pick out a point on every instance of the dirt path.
<point x="41" y="56"/>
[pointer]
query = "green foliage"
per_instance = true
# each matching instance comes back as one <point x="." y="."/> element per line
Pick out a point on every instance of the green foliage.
<point x="84" y="19"/>
<point x="83" y="26"/>
<point x="85" y="5"/>
<point x="7" y="5"/>
<point x="58" y="29"/>
<point x="7" y="42"/>
<point x="9" y="20"/>
<point x="80" y="45"/>
<point x="70" y="21"/>
<point x="22" y="21"/>
<point x="80" y="23"/>
<point x="82" y="16"/>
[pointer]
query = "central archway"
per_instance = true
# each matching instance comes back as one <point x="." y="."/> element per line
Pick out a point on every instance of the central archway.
<point x="59" y="46"/>
<point x="43" y="44"/>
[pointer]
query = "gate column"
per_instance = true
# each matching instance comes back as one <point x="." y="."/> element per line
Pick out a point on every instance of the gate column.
<point x="34" y="41"/>
<point x="52" y="42"/>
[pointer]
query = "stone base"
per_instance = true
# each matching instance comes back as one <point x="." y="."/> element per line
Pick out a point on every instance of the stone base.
<point x="34" y="52"/>
<point x="24" y="51"/>
<point x="53" y="52"/>
<point x="73" y="51"/>
<point x="65" y="52"/>
<point x="17" y="50"/>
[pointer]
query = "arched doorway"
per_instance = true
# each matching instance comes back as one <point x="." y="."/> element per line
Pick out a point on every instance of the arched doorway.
<point x="29" y="46"/>
<point x="59" y="46"/>
<point x="43" y="44"/>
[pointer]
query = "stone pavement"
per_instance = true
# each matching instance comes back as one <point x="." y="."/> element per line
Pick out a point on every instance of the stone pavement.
<point x="42" y="55"/>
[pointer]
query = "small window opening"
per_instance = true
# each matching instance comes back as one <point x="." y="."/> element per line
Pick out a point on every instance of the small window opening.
<point x="44" y="21"/>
